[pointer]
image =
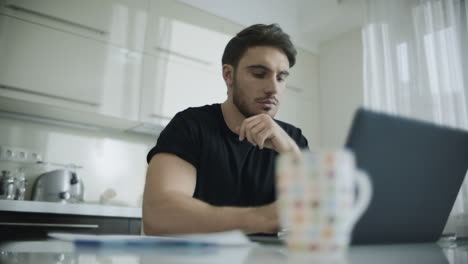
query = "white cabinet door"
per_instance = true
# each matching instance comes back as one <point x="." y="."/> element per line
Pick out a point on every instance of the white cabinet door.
<point x="120" y="22"/>
<point x="47" y="66"/>
<point x="184" y="69"/>
<point x="174" y="84"/>
<point x="187" y="30"/>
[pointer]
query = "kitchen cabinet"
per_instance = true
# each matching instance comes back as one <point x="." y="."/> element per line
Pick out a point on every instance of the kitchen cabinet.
<point x="54" y="68"/>
<point x="56" y="64"/>
<point x="22" y="225"/>
<point x="184" y="69"/>
<point x="118" y="22"/>
<point x="174" y="27"/>
<point x="20" y="219"/>
<point x="173" y="84"/>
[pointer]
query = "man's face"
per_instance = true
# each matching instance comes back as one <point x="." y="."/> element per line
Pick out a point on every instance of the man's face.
<point x="258" y="81"/>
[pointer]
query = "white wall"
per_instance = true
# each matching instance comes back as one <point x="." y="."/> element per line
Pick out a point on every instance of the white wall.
<point x="110" y="159"/>
<point x="341" y="86"/>
<point x="300" y="102"/>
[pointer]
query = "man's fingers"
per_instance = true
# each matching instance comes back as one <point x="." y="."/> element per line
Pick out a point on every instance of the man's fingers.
<point x="246" y="126"/>
<point x="261" y="131"/>
<point x="258" y="133"/>
<point x="262" y="137"/>
<point x="254" y="134"/>
<point x="255" y="129"/>
<point x="252" y="122"/>
<point x="250" y="136"/>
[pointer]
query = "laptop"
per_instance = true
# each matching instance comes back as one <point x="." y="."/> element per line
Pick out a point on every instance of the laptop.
<point x="416" y="169"/>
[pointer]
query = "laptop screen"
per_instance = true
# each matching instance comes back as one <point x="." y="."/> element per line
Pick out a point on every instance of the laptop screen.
<point x="416" y="169"/>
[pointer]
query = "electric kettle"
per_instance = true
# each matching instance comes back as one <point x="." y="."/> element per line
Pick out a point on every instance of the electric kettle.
<point x="58" y="186"/>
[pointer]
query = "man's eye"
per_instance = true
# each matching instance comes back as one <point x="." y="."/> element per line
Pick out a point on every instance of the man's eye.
<point x="259" y="75"/>
<point x="281" y="78"/>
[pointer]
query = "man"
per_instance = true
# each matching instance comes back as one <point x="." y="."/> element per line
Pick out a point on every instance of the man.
<point x="212" y="168"/>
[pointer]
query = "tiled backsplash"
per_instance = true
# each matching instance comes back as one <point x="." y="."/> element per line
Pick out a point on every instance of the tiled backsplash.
<point x="110" y="159"/>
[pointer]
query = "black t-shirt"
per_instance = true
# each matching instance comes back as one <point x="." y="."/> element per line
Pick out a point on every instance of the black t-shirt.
<point x="229" y="172"/>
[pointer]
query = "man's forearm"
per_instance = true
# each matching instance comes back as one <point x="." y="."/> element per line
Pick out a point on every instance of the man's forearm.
<point x="294" y="147"/>
<point x="176" y="213"/>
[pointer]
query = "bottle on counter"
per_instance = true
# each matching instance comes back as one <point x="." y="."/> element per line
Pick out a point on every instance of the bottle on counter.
<point x="7" y="186"/>
<point x="3" y="178"/>
<point x="20" y="184"/>
<point x="11" y="188"/>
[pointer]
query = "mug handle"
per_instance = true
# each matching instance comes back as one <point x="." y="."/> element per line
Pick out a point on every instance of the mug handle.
<point x="364" y="196"/>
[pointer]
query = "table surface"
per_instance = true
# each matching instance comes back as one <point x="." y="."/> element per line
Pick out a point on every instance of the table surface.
<point x="54" y="251"/>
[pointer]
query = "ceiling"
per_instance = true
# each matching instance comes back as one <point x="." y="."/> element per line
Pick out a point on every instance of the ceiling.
<point x="308" y="22"/>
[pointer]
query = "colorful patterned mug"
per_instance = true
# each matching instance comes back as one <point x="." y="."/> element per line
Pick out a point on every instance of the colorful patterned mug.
<point x="317" y="199"/>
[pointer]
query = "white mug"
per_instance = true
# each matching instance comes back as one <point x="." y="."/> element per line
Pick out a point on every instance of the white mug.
<point x="317" y="201"/>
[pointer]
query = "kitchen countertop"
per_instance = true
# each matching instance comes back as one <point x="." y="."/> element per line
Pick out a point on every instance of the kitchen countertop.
<point x="54" y="251"/>
<point x="70" y="208"/>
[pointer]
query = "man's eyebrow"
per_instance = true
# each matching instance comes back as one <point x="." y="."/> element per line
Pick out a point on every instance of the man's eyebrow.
<point x="263" y="67"/>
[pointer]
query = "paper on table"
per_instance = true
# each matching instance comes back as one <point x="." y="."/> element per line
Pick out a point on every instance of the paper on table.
<point x="230" y="238"/>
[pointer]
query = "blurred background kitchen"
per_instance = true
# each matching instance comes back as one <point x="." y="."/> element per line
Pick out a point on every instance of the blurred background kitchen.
<point x="86" y="86"/>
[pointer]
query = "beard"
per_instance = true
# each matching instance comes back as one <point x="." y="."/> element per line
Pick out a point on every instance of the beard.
<point x="239" y="101"/>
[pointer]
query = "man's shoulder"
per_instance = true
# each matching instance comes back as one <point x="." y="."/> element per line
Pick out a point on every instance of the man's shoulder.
<point x="287" y="127"/>
<point x="200" y="113"/>
<point x="294" y="132"/>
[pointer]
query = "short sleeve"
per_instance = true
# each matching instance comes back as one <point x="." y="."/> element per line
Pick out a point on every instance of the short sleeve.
<point x="295" y="133"/>
<point x="301" y="140"/>
<point x="179" y="137"/>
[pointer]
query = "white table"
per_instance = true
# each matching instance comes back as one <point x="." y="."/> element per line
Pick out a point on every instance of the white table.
<point x="53" y="251"/>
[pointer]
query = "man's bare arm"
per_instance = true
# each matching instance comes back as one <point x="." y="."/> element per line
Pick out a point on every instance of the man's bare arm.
<point x="169" y="208"/>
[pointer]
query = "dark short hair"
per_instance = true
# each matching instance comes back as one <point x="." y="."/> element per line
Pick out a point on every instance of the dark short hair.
<point x="258" y="35"/>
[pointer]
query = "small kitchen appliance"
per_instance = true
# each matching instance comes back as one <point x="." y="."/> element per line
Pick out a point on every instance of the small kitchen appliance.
<point x="60" y="185"/>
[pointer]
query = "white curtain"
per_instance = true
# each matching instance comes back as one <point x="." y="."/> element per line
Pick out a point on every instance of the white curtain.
<point x="416" y="65"/>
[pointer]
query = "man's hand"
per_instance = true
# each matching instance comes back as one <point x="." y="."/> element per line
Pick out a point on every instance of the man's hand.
<point x="264" y="219"/>
<point x="262" y="131"/>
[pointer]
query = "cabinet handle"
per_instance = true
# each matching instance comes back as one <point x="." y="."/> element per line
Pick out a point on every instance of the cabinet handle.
<point x="16" y="89"/>
<point x="183" y="56"/>
<point x="50" y="225"/>
<point x="57" y="19"/>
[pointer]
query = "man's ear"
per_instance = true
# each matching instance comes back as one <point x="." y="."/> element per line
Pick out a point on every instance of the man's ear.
<point x="228" y="74"/>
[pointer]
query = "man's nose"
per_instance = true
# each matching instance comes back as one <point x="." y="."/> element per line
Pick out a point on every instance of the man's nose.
<point x="272" y="87"/>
